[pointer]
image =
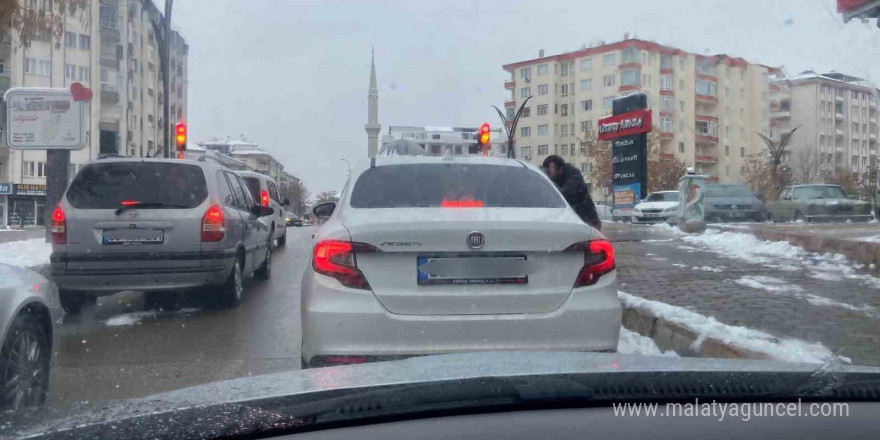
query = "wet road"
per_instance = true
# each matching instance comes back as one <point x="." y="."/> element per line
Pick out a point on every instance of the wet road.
<point x="116" y="349"/>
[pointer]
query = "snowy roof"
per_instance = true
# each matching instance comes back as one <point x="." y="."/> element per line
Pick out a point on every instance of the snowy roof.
<point x="230" y="142"/>
<point x="832" y="76"/>
<point x="194" y="147"/>
<point x="248" y="152"/>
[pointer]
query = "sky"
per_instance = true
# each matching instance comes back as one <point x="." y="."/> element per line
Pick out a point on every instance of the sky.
<point x="292" y="76"/>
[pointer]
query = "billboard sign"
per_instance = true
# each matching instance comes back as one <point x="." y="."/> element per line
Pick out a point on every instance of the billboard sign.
<point x="43" y="119"/>
<point x="627" y="130"/>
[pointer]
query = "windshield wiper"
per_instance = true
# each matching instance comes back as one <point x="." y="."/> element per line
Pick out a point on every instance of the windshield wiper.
<point x="128" y="206"/>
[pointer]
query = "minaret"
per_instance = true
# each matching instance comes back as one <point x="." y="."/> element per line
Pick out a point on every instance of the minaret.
<point x="372" y="127"/>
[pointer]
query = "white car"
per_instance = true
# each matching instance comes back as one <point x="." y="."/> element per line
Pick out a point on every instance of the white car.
<point x="657" y="207"/>
<point x="427" y="255"/>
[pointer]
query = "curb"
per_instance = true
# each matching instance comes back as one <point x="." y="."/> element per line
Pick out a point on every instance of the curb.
<point x="680" y="339"/>
<point x="861" y="251"/>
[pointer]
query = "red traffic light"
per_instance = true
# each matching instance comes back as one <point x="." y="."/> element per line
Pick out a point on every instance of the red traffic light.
<point x="484" y="134"/>
<point x="180" y="136"/>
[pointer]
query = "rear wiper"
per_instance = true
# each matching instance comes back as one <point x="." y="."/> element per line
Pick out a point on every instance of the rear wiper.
<point x="145" y="205"/>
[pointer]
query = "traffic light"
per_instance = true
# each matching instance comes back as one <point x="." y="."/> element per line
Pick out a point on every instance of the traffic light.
<point x="180" y="139"/>
<point x="483" y="138"/>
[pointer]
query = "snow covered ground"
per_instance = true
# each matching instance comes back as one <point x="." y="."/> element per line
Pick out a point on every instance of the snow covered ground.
<point x="25" y="253"/>
<point x="786" y="350"/>
<point x="633" y="343"/>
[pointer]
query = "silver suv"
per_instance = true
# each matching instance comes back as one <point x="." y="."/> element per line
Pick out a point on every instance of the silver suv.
<point x="158" y="226"/>
<point x="265" y="191"/>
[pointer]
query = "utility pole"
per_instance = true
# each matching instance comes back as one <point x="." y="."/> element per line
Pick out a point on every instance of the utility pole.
<point x="163" y="40"/>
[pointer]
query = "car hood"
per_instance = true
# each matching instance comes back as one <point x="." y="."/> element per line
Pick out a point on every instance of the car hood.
<point x="656" y="205"/>
<point x="300" y="400"/>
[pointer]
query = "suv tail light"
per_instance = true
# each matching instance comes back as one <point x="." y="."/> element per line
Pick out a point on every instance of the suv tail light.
<point x="264" y="198"/>
<point x="337" y="259"/>
<point x="213" y="224"/>
<point x="59" y="227"/>
<point x="598" y="261"/>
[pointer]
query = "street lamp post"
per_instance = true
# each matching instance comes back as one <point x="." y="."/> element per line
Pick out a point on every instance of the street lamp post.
<point x="511" y="129"/>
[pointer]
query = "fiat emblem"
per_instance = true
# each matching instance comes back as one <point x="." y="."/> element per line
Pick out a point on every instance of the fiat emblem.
<point x="475" y="240"/>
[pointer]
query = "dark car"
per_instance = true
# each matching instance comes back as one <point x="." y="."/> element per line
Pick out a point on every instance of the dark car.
<point x="817" y="203"/>
<point x="732" y="203"/>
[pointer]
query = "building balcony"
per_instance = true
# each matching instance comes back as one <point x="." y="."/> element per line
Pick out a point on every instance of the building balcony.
<point x="706" y="159"/>
<point x="109" y="96"/>
<point x="706" y="139"/>
<point x="666" y="92"/>
<point x="838" y="116"/>
<point x="510" y="104"/>
<point x="873" y="138"/>
<point x="712" y="78"/>
<point x="838" y="132"/>
<point x="666" y="135"/>
<point x="707" y="118"/>
<point x="630" y="66"/>
<point x="781" y="114"/>
<point x="628" y="88"/>
<point x="707" y="99"/>
<point x="665" y="71"/>
<point x="873" y="121"/>
<point x="509" y="85"/>
<point x="872" y="105"/>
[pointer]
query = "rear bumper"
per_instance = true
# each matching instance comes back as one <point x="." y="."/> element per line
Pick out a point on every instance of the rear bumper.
<point x="346" y="322"/>
<point x="100" y="281"/>
<point x="839" y="217"/>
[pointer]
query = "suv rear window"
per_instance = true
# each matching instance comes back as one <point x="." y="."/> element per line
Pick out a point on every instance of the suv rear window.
<point x="254" y="185"/>
<point x="459" y="185"/>
<point x="107" y="185"/>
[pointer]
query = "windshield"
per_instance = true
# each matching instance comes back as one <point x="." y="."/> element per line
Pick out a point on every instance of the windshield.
<point x="818" y="192"/>
<point x="727" y="191"/>
<point x="431" y="186"/>
<point x="235" y="189"/>
<point x="662" y="197"/>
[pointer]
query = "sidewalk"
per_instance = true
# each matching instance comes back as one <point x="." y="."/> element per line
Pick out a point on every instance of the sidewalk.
<point x="7" y="235"/>
<point x="857" y="241"/>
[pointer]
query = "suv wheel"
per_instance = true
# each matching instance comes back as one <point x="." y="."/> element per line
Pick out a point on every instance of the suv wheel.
<point x="233" y="288"/>
<point x="71" y="301"/>
<point x="282" y="240"/>
<point x="265" y="271"/>
<point x="24" y="363"/>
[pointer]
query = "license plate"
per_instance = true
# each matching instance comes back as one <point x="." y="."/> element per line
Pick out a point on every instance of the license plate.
<point x="129" y="237"/>
<point x="471" y="270"/>
<point x="651" y="215"/>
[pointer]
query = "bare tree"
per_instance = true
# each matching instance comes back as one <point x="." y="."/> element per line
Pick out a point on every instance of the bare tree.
<point x="866" y="183"/>
<point x="327" y="196"/>
<point x="756" y="173"/>
<point x="806" y="167"/>
<point x="846" y="179"/>
<point x="777" y="153"/>
<point x="42" y="23"/>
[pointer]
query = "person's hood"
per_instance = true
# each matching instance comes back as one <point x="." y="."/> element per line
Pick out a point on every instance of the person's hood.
<point x="656" y="205"/>
<point x="306" y="400"/>
<point x="742" y="200"/>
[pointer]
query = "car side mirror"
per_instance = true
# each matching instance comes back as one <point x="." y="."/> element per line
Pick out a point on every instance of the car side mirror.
<point x="286" y="202"/>
<point x="262" y="211"/>
<point x="324" y="210"/>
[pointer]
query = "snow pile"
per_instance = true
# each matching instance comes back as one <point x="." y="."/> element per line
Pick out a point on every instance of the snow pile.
<point x="136" y="317"/>
<point x="745" y="247"/>
<point x="631" y="342"/>
<point x="873" y="239"/>
<point x="786" y="350"/>
<point x="769" y="284"/>
<point x="778" y="286"/>
<point x="25" y="253"/>
<point x="817" y="300"/>
<point x="708" y="269"/>
<point x="666" y="228"/>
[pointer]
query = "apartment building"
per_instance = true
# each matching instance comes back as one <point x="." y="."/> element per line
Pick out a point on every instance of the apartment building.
<point x="706" y="108"/>
<point x="836" y="115"/>
<point x="110" y="47"/>
<point x="249" y="153"/>
<point x="436" y="141"/>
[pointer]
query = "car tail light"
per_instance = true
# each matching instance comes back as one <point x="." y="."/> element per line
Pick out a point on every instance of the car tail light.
<point x="59" y="227"/>
<point x="598" y="261"/>
<point x="264" y="198"/>
<point x="213" y="224"/>
<point x="337" y="259"/>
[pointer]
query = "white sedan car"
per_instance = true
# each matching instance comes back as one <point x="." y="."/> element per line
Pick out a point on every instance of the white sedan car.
<point x="427" y="255"/>
<point x="657" y="207"/>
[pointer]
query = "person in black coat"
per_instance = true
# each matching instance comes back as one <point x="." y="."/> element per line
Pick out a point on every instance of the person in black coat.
<point x="572" y="186"/>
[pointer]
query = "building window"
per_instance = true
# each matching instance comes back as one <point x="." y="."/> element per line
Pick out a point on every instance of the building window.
<point x="527" y="111"/>
<point x="525" y="73"/>
<point x="727" y="150"/>
<point x="563" y="110"/>
<point x="681" y="84"/>
<point x="681" y="106"/>
<point x="665" y="103"/>
<point x="666" y="82"/>
<point x="85" y="41"/>
<point x="564" y="89"/>
<point x="563" y="69"/>
<point x="608" y="80"/>
<point x="69" y="71"/>
<point x="609" y="60"/>
<point x="542" y="89"/>
<point x="707" y="88"/>
<point x="543" y="70"/>
<point x="586" y="64"/>
<point x="134" y="65"/>
<point x="681" y="126"/>
<point x="564" y="151"/>
<point x="542" y="130"/>
<point x="84" y="73"/>
<point x="524" y="92"/>
<point x="586" y="126"/>
<point x="666" y="125"/>
<point x="70" y="40"/>
<point x="41" y="169"/>
<point x="108" y="17"/>
<point x="108" y="79"/>
<point x="629" y="78"/>
<point x="542" y="109"/>
<point x="629" y="55"/>
<point x="681" y="147"/>
<point x="29" y="169"/>
<point x="564" y="131"/>
<point x="586" y="84"/>
<point x="607" y="102"/>
<point x="705" y="68"/>
<point x="525" y="131"/>
<point x="526" y="152"/>
<point x="681" y="64"/>
<point x="666" y="62"/>
<point x="587" y="105"/>
<point x="705" y="128"/>
<point x="435" y="137"/>
<point x="542" y="150"/>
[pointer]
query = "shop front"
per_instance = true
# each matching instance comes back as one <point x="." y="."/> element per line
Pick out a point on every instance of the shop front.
<point x="5" y="192"/>
<point x="26" y="206"/>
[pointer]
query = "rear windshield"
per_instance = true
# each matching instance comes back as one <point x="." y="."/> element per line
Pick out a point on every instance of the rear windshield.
<point x="254" y="185"/>
<point x="107" y="185"/>
<point x="453" y="185"/>
<point x="818" y="192"/>
<point x="727" y="191"/>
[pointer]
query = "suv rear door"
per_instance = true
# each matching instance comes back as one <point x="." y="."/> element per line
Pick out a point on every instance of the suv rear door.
<point x="255" y="230"/>
<point x="135" y="215"/>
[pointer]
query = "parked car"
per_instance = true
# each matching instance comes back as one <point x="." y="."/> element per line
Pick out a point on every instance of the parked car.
<point x="657" y="207"/>
<point x="159" y="226"/>
<point x="817" y="203"/>
<point x="29" y="311"/>
<point x="501" y="263"/>
<point x="265" y="191"/>
<point x="731" y="203"/>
